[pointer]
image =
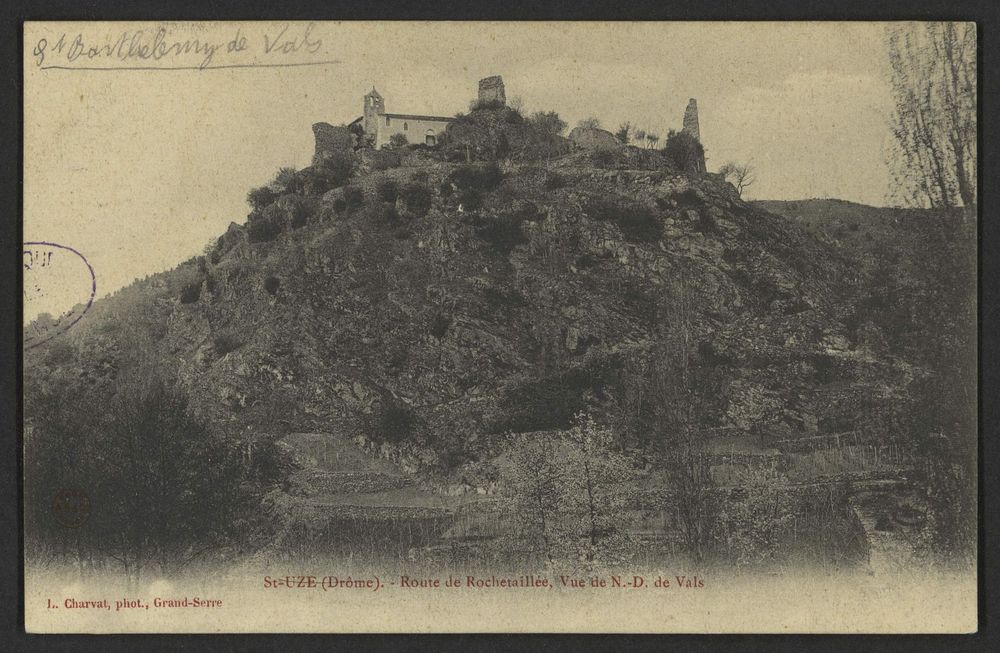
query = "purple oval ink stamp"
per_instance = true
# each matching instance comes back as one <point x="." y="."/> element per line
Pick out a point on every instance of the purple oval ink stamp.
<point x="55" y="276"/>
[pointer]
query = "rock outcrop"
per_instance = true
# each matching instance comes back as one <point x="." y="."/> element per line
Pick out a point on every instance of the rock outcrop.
<point x="546" y="294"/>
<point x="592" y="138"/>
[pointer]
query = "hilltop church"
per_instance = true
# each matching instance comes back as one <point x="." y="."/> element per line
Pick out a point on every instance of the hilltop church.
<point x="379" y="126"/>
<point x="376" y="126"/>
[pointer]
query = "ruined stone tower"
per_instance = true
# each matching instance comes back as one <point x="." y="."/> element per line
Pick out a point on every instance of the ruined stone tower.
<point x="374" y="107"/>
<point x="491" y="90"/>
<point x="691" y="120"/>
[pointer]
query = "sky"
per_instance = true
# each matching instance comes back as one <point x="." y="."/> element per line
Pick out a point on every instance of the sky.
<point x="139" y="169"/>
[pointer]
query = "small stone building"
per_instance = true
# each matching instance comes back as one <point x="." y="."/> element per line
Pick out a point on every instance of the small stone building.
<point x="379" y="126"/>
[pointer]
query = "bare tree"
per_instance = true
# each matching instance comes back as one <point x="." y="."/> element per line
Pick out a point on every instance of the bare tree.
<point x="739" y="175"/>
<point x="532" y="480"/>
<point x="674" y="421"/>
<point x="640" y="136"/>
<point x="653" y="139"/>
<point x="933" y="67"/>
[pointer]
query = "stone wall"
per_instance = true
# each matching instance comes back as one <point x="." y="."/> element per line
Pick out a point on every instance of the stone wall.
<point x="415" y="128"/>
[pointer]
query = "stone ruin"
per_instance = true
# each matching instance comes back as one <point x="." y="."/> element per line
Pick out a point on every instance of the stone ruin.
<point x="696" y="157"/>
<point x="691" y="120"/>
<point x="332" y="142"/>
<point x="491" y="91"/>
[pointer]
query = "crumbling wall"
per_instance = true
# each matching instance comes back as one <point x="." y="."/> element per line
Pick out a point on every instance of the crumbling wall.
<point x="491" y="90"/>
<point x="332" y="142"/>
<point x="691" y="120"/>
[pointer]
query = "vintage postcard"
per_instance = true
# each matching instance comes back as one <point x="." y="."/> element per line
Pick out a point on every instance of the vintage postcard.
<point x="500" y="327"/>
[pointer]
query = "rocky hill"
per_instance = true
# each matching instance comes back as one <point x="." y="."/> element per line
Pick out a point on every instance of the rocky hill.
<point x="424" y="308"/>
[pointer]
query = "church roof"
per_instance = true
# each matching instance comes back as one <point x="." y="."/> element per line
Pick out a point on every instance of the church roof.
<point x="412" y="116"/>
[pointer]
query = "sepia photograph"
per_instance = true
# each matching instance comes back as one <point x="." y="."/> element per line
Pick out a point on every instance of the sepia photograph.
<point x="596" y="327"/>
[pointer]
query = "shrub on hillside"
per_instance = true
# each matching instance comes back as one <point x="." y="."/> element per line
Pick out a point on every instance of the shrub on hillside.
<point x="261" y="229"/>
<point x="636" y="222"/>
<point x="688" y="198"/>
<point x="399" y="140"/>
<point x="394" y="422"/>
<point x="384" y="159"/>
<point x="456" y="152"/>
<point x="499" y="298"/>
<point x="477" y="177"/>
<point x="59" y="352"/>
<point x="317" y="180"/>
<point x="258" y="198"/>
<point x="225" y="342"/>
<point x="502" y="233"/>
<point x="470" y="199"/>
<point x="640" y="301"/>
<point x="191" y="292"/>
<point x="554" y="181"/>
<point x="706" y="223"/>
<point x="417" y="199"/>
<point x="603" y="158"/>
<point x="513" y="117"/>
<point x="299" y="214"/>
<point x="388" y="190"/>
<point x="547" y="122"/>
<point x="641" y="225"/>
<point x="354" y="197"/>
<point x="271" y="285"/>
<point x="683" y="150"/>
<point x="382" y="214"/>
<point x="552" y="401"/>
<point x="288" y="178"/>
<point x="439" y="326"/>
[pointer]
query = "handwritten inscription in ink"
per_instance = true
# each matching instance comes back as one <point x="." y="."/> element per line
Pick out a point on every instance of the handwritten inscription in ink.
<point x="167" y="50"/>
